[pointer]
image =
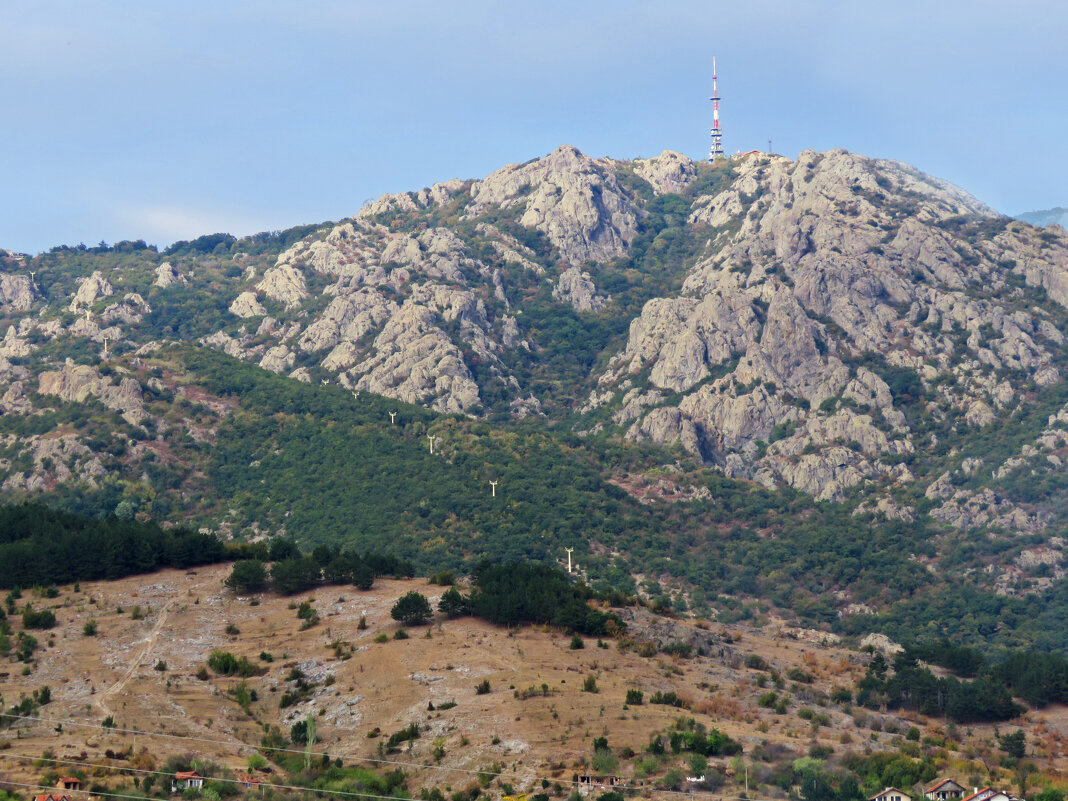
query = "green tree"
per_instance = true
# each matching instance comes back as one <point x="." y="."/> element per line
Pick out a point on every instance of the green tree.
<point x="249" y="575"/>
<point x="412" y="609"/>
<point x="1015" y="744"/>
<point x="452" y="603"/>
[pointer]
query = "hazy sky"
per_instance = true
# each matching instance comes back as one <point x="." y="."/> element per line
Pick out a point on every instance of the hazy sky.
<point x="167" y="119"/>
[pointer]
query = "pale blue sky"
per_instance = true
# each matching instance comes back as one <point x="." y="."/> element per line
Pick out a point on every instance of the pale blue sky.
<point x="167" y="119"/>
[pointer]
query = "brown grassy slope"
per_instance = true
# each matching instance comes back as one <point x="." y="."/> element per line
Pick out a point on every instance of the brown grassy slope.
<point x="363" y="685"/>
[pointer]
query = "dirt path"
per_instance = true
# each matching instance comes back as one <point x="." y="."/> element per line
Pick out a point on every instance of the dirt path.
<point x="101" y="702"/>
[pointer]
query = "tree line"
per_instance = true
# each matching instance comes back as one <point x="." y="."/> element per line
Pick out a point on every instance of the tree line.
<point x="291" y="571"/>
<point x="41" y="545"/>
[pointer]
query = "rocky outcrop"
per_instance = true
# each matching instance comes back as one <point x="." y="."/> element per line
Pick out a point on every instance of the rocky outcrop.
<point x="668" y="173"/>
<point x="167" y="276"/>
<point x="13" y="346"/>
<point x="77" y="382"/>
<point x="56" y="460"/>
<point x="576" y="287"/>
<point x="285" y="284"/>
<point x="415" y="361"/>
<point x="247" y="305"/>
<point x="576" y="201"/>
<point x="17" y="292"/>
<point x="90" y="290"/>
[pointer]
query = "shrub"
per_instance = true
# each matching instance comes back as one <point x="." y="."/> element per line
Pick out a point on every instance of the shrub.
<point x="45" y="619"/>
<point x="89" y="629"/>
<point x="483" y="687"/>
<point x="756" y="662"/>
<point x="576" y="643"/>
<point x="670" y="698"/>
<point x="589" y="685"/>
<point x="634" y="697"/>
<point x="226" y="664"/>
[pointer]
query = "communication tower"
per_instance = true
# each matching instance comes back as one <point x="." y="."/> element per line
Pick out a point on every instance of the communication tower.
<point x="716" y="152"/>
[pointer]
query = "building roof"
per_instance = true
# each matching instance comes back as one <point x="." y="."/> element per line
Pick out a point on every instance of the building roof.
<point x="182" y="775"/>
<point x="984" y="793"/>
<point x="71" y="780"/>
<point x="941" y="784"/>
<point x="52" y="797"/>
<point x="249" y="779"/>
<point x="890" y="790"/>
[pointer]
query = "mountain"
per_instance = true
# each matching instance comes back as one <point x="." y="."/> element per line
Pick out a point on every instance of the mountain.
<point x="833" y="382"/>
<point x="1044" y="217"/>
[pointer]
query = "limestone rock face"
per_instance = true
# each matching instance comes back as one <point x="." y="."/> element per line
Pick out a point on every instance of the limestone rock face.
<point x="16" y="292"/>
<point x="90" y="290"/>
<point x="13" y="346"/>
<point x="284" y="283"/>
<point x="416" y="362"/>
<point x="77" y="382"/>
<point x="247" y="305"/>
<point x="166" y="276"/>
<point x="575" y="200"/>
<point x="576" y="287"/>
<point x="808" y="263"/>
<point x="669" y="173"/>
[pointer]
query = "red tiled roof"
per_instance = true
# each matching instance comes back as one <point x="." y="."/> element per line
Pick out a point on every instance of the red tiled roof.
<point x="52" y="797"/>
<point x="187" y="774"/>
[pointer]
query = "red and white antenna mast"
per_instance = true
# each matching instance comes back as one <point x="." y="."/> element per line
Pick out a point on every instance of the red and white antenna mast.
<point x="716" y="152"/>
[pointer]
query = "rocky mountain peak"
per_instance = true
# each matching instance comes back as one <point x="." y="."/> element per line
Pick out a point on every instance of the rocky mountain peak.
<point x="576" y="201"/>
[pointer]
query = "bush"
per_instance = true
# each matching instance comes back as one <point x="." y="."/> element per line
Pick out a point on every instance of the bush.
<point x="576" y="643"/>
<point x="45" y="619"/>
<point x="589" y="685"/>
<point x="634" y="697"/>
<point x="226" y="664"/>
<point x="756" y="662"/>
<point x="483" y="687"/>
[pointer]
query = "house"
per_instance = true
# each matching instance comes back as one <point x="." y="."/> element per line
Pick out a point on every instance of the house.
<point x="249" y="782"/>
<point x="891" y="794"/>
<point x="988" y="794"/>
<point x="69" y="783"/>
<point x="53" y="797"/>
<point x="186" y="780"/>
<point x="601" y="783"/>
<point x="945" y="790"/>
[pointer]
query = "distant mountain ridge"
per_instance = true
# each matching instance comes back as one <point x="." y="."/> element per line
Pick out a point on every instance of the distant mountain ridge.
<point x="1044" y="217"/>
<point x="846" y="328"/>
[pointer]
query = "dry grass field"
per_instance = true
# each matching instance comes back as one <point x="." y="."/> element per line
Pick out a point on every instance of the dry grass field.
<point x="145" y="668"/>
